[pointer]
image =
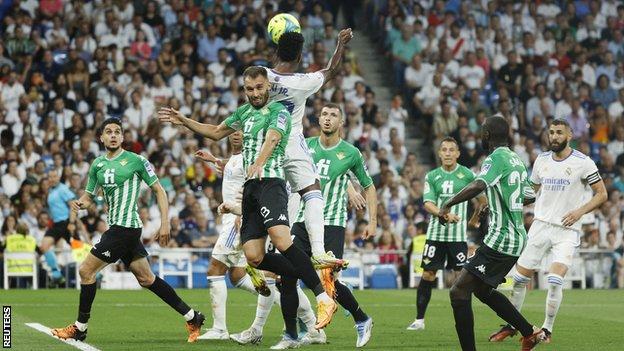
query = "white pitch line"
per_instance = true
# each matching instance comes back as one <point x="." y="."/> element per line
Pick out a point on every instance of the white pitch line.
<point x="77" y="344"/>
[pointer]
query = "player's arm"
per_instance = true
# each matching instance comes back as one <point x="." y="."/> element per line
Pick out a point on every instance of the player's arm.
<point x="207" y="156"/>
<point x="356" y="200"/>
<point x="479" y="209"/>
<point x="210" y="131"/>
<point x="370" y="193"/>
<point x="600" y="196"/>
<point x="271" y="140"/>
<point x="163" y="207"/>
<point x="473" y="189"/>
<point x="333" y="65"/>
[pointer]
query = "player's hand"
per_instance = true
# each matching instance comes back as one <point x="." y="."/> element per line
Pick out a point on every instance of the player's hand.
<point x="443" y="215"/>
<point x="571" y="217"/>
<point x="228" y="207"/>
<point x="237" y="223"/>
<point x="206" y="156"/>
<point x="76" y="205"/>
<point x="163" y="235"/>
<point x="170" y="115"/>
<point x="221" y="165"/>
<point x="371" y="230"/>
<point x="254" y="171"/>
<point x="452" y="218"/>
<point x="357" y="201"/>
<point x="344" y="36"/>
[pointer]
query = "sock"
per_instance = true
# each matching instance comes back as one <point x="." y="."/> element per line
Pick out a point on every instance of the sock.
<point x="189" y="315"/>
<point x="246" y="284"/>
<point x="290" y="303"/>
<point x="81" y="326"/>
<point x="50" y="259"/>
<point x="314" y="220"/>
<point x="263" y="308"/>
<point x="167" y="294"/>
<point x="218" y="298"/>
<point x="304" y="311"/>
<point x="305" y="270"/>
<point x="504" y="309"/>
<point x="87" y="295"/>
<point x="464" y="324"/>
<point x="519" y="290"/>
<point x="277" y="264"/>
<point x="553" y="299"/>
<point x="423" y="296"/>
<point x="345" y="298"/>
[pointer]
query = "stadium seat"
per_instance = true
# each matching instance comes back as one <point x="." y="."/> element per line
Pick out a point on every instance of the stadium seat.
<point x="32" y="256"/>
<point x="199" y="274"/>
<point x="383" y="277"/>
<point x="182" y="268"/>
<point x="354" y="274"/>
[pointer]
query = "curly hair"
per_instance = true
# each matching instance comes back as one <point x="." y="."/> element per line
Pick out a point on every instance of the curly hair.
<point x="289" y="46"/>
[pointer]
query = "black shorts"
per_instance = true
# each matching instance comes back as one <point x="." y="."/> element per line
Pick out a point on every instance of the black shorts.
<point x="59" y="231"/>
<point x="490" y="265"/>
<point x="334" y="238"/>
<point x="454" y="253"/>
<point x="120" y="243"/>
<point x="265" y="205"/>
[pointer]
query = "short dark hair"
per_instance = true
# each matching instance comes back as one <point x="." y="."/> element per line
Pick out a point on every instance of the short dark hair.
<point x="449" y="139"/>
<point x="497" y="127"/>
<point x="289" y="46"/>
<point x="560" y="122"/>
<point x="254" y="72"/>
<point x="333" y="105"/>
<point x="111" y="120"/>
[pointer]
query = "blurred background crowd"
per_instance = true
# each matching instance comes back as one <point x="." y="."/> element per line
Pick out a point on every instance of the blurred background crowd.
<point x="65" y="66"/>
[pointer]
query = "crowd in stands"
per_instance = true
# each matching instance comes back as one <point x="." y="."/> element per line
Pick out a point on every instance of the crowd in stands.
<point x="65" y="66"/>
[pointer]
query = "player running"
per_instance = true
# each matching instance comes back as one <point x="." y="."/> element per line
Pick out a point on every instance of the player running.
<point x="504" y="176"/>
<point x="445" y="243"/>
<point x="266" y="126"/>
<point x="560" y="177"/>
<point x="228" y="256"/>
<point x="119" y="173"/>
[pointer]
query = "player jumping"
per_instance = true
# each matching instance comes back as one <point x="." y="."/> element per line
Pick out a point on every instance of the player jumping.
<point x="505" y="177"/>
<point x="445" y="243"/>
<point x="119" y="173"/>
<point x="560" y="177"/>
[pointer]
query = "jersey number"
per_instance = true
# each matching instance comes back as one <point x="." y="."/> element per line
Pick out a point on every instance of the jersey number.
<point x="323" y="166"/>
<point x="429" y="251"/>
<point x="515" y="178"/>
<point x="247" y="127"/>
<point x="109" y="176"/>
<point x="447" y="187"/>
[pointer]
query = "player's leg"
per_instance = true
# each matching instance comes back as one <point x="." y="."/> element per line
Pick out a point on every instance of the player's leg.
<point x="433" y="260"/>
<point x="218" y="297"/>
<point x="87" y="270"/>
<point x="46" y="247"/>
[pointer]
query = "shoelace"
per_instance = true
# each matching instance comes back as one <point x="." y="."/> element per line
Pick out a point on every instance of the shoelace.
<point x="360" y="329"/>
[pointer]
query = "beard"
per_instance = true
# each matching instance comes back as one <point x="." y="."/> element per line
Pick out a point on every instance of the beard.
<point x="112" y="148"/>
<point x="262" y="103"/>
<point x="558" y="147"/>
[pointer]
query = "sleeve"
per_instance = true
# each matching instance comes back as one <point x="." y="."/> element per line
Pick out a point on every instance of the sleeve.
<point x="491" y="172"/>
<point x="280" y="121"/>
<point x="311" y="82"/>
<point x="471" y="176"/>
<point x="429" y="192"/>
<point x="590" y="172"/>
<point x="527" y="189"/>
<point x="233" y="121"/>
<point x="92" y="179"/>
<point x="146" y="171"/>
<point x="360" y="170"/>
<point x="535" y="179"/>
<point x="68" y="194"/>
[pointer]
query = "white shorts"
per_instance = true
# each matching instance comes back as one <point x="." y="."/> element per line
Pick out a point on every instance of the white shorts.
<point x="544" y="238"/>
<point x="227" y="249"/>
<point x="298" y="164"/>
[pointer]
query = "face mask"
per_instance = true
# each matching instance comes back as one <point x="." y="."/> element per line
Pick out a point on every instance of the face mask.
<point x="471" y="144"/>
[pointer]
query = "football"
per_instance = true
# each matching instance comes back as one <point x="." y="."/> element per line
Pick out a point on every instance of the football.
<point x="282" y="23"/>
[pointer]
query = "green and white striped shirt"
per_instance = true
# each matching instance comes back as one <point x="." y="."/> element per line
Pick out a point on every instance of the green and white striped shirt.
<point x="507" y="185"/>
<point x="120" y="179"/>
<point x="255" y="123"/>
<point x="439" y="187"/>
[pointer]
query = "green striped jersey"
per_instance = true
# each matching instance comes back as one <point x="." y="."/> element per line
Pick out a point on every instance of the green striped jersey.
<point x="507" y="184"/>
<point x="255" y="123"/>
<point x="440" y="186"/>
<point x="120" y="179"/>
<point x="333" y="166"/>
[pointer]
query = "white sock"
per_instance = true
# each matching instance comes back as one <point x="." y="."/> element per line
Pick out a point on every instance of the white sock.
<point x="218" y="297"/>
<point x="189" y="315"/>
<point x="81" y="326"/>
<point x="245" y="284"/>
<point x="304" y="311"/>
<point x="314" y="220"/>
<point x="553" y="299"/>
<point x="323" y="297"/>
<point x="519" y="290"/>
<point x="264" y="305"/>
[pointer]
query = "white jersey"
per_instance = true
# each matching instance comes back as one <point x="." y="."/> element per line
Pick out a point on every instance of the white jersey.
<point x="233" y="180"/>
<point x="562" y="185"/>
<point x="292" y="90"/>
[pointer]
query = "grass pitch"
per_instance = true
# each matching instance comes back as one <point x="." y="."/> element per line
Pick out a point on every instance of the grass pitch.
<point x="138" y="320"/>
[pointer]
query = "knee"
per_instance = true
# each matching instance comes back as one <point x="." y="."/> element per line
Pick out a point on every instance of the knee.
<point x="458" y="293"/>
<point x="429" y="276"/>
<point x="146" y="280"/>
<point x="87" y="275"/>
<point x="254" y="259"/>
